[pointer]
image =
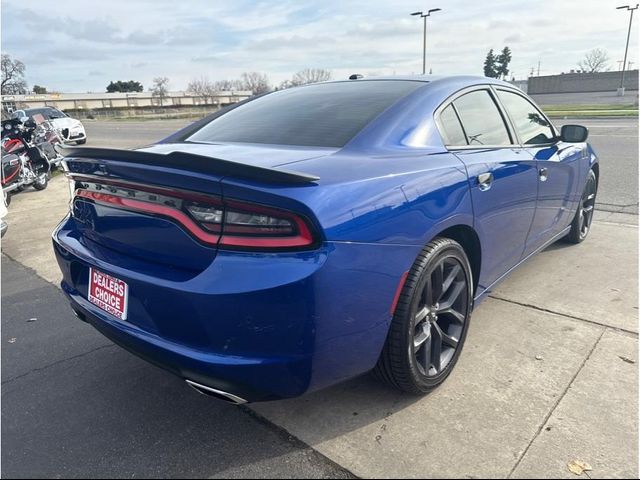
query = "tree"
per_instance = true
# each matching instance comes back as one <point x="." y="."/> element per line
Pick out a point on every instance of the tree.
<point x="310" y="75"/>
<point x="490" y="65"/>
<point x="124" y="87"/>
<point x="160" y="88"/>
<point x="258" y="83"/>
<point x="13" y="82"/>
<point x="228" y="85"/>
<point x="202" y="87"/>
<point x="496" y="66"/>
<point x="597" y="60"/>
<point x="37" y="89"/>
<point x="502" y="63"/>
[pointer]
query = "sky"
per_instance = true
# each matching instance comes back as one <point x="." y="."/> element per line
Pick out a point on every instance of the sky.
<point x="79" y="46"/>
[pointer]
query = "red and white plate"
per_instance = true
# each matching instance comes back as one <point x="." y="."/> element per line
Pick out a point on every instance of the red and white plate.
<point x="108" y="293"/>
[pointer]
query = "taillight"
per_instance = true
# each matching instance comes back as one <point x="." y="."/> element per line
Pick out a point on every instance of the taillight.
<point x="229" y="223"/>
<point x="252" y="226"/>
<point x="257" y="226"/>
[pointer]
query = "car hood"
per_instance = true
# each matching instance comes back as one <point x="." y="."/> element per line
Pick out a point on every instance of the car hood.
<point x="267" y="156"/>
<point x="65" y="122"/>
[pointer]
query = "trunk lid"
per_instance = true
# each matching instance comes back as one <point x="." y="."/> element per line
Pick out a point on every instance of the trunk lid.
<point x="141" y="203"/>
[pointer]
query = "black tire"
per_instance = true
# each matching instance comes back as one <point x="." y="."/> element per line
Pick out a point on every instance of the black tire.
<point x="42" y="182"/>
<point x="402" y="361"/>
<point x="7" y="199"/>
<point x="19" y="189"/>
<point x="81" y="142"/>
<point x="581" y="224"/>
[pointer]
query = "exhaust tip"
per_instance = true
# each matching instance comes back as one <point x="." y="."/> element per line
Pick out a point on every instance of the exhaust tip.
<point x="219" y="394"/>
<point x="80" y="315"/>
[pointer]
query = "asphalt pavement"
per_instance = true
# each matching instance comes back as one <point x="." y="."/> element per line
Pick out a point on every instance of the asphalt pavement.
<point x="76" y="406"/>
<point x="615" y="141"/>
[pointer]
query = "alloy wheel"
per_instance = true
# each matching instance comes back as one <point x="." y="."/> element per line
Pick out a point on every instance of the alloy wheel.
<point x="587" y="205"/>
<point x="440" y="316"/>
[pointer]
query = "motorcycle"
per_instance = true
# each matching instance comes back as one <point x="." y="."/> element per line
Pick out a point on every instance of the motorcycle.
<point x="44" y="132"/>
<point x="27" y="159"/>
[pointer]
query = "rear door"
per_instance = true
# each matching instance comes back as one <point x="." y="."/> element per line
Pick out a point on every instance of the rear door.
<point x="503" y="177"/>
<point x="558" y="167"/>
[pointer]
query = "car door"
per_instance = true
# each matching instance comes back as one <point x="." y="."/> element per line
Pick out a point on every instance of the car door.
<point x="558" y="166"/>
<point x="503" y="177"/>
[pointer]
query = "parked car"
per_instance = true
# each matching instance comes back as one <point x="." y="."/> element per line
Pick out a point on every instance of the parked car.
<point x="72" y="130"/>
<point x="310" y="235"/>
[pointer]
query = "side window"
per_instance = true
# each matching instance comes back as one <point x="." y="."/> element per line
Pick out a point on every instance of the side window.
<point x="450" y="128"/>
<point x="481" y="119"/>
<point x="530" y="124"/>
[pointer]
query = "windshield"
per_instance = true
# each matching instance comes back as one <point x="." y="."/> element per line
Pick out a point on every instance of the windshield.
<point x="320" y="115"/>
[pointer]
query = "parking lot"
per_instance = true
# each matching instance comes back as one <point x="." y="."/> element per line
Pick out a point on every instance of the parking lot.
<point x="549" y="374"/>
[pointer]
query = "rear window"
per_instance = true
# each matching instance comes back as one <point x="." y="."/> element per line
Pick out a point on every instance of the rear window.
<point x="451" y="128"/>
<point x="323" y="115"/>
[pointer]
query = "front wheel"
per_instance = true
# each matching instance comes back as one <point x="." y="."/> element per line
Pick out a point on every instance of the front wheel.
<point x="81" y="142"/>
<point x="431" y="320"/>
<point x="41" y="182"/>
<point x="581" y="224"/>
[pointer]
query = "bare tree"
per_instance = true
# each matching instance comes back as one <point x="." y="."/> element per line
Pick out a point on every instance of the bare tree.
<point x="13" y="82"/>
<point x="597" y="60"/>
<point x="160" y="88"/>
<point x="228" y="85"/>
<point x="256" y="82"/>
<point x="310" y="75"/>
<point x="203" y="88"/>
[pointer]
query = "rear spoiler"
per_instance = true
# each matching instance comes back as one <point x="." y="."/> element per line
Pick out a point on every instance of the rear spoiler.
<point x="189" y="161"/>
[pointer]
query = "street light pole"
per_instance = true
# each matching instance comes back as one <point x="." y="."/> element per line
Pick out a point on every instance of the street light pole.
<point x="424" y="36"/>
<point x="626" y="48"/>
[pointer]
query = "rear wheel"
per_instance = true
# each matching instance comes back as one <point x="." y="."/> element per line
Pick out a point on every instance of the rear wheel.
<point x="581" y="224"/>
<point x="431" y="320"/>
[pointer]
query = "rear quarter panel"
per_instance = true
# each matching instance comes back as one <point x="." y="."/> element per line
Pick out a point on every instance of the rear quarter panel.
<point x="375" y="214"/>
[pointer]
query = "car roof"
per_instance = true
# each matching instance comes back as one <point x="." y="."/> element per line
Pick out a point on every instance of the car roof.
<point x="27" y="110"/>
<point x="399" y="125"/>
<point x="439" y="79"/>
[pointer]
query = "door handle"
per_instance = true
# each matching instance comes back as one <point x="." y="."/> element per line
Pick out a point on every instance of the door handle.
<point x="485" y="180"/>
<point x="544" y="174"/>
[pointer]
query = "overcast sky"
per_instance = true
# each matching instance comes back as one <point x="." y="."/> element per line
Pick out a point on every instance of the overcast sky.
<point x="79" y="46"/>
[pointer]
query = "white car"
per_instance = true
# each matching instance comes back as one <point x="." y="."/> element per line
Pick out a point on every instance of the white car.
<point x="71" y="129"/>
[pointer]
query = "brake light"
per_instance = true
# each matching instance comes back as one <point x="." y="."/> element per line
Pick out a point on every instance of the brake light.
<point x="225" y="223"/>
<point x="254" y="226"/>
<point x="257" y="226"/>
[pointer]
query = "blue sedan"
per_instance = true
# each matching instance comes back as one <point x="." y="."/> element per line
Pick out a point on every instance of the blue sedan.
<point x="310" y="235"/>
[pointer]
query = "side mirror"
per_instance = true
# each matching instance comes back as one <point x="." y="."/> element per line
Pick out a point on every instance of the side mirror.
<point x="574" y="133"/>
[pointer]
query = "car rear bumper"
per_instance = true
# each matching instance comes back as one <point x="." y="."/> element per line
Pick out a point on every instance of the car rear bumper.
<point x="227" y="373"/>
<point x="258" y="326"/>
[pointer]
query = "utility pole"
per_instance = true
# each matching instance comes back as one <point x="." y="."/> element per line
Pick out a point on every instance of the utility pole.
<point x="424" y="35"/>
<point x="538" y="67"/>
<point x="626" y="49"/>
